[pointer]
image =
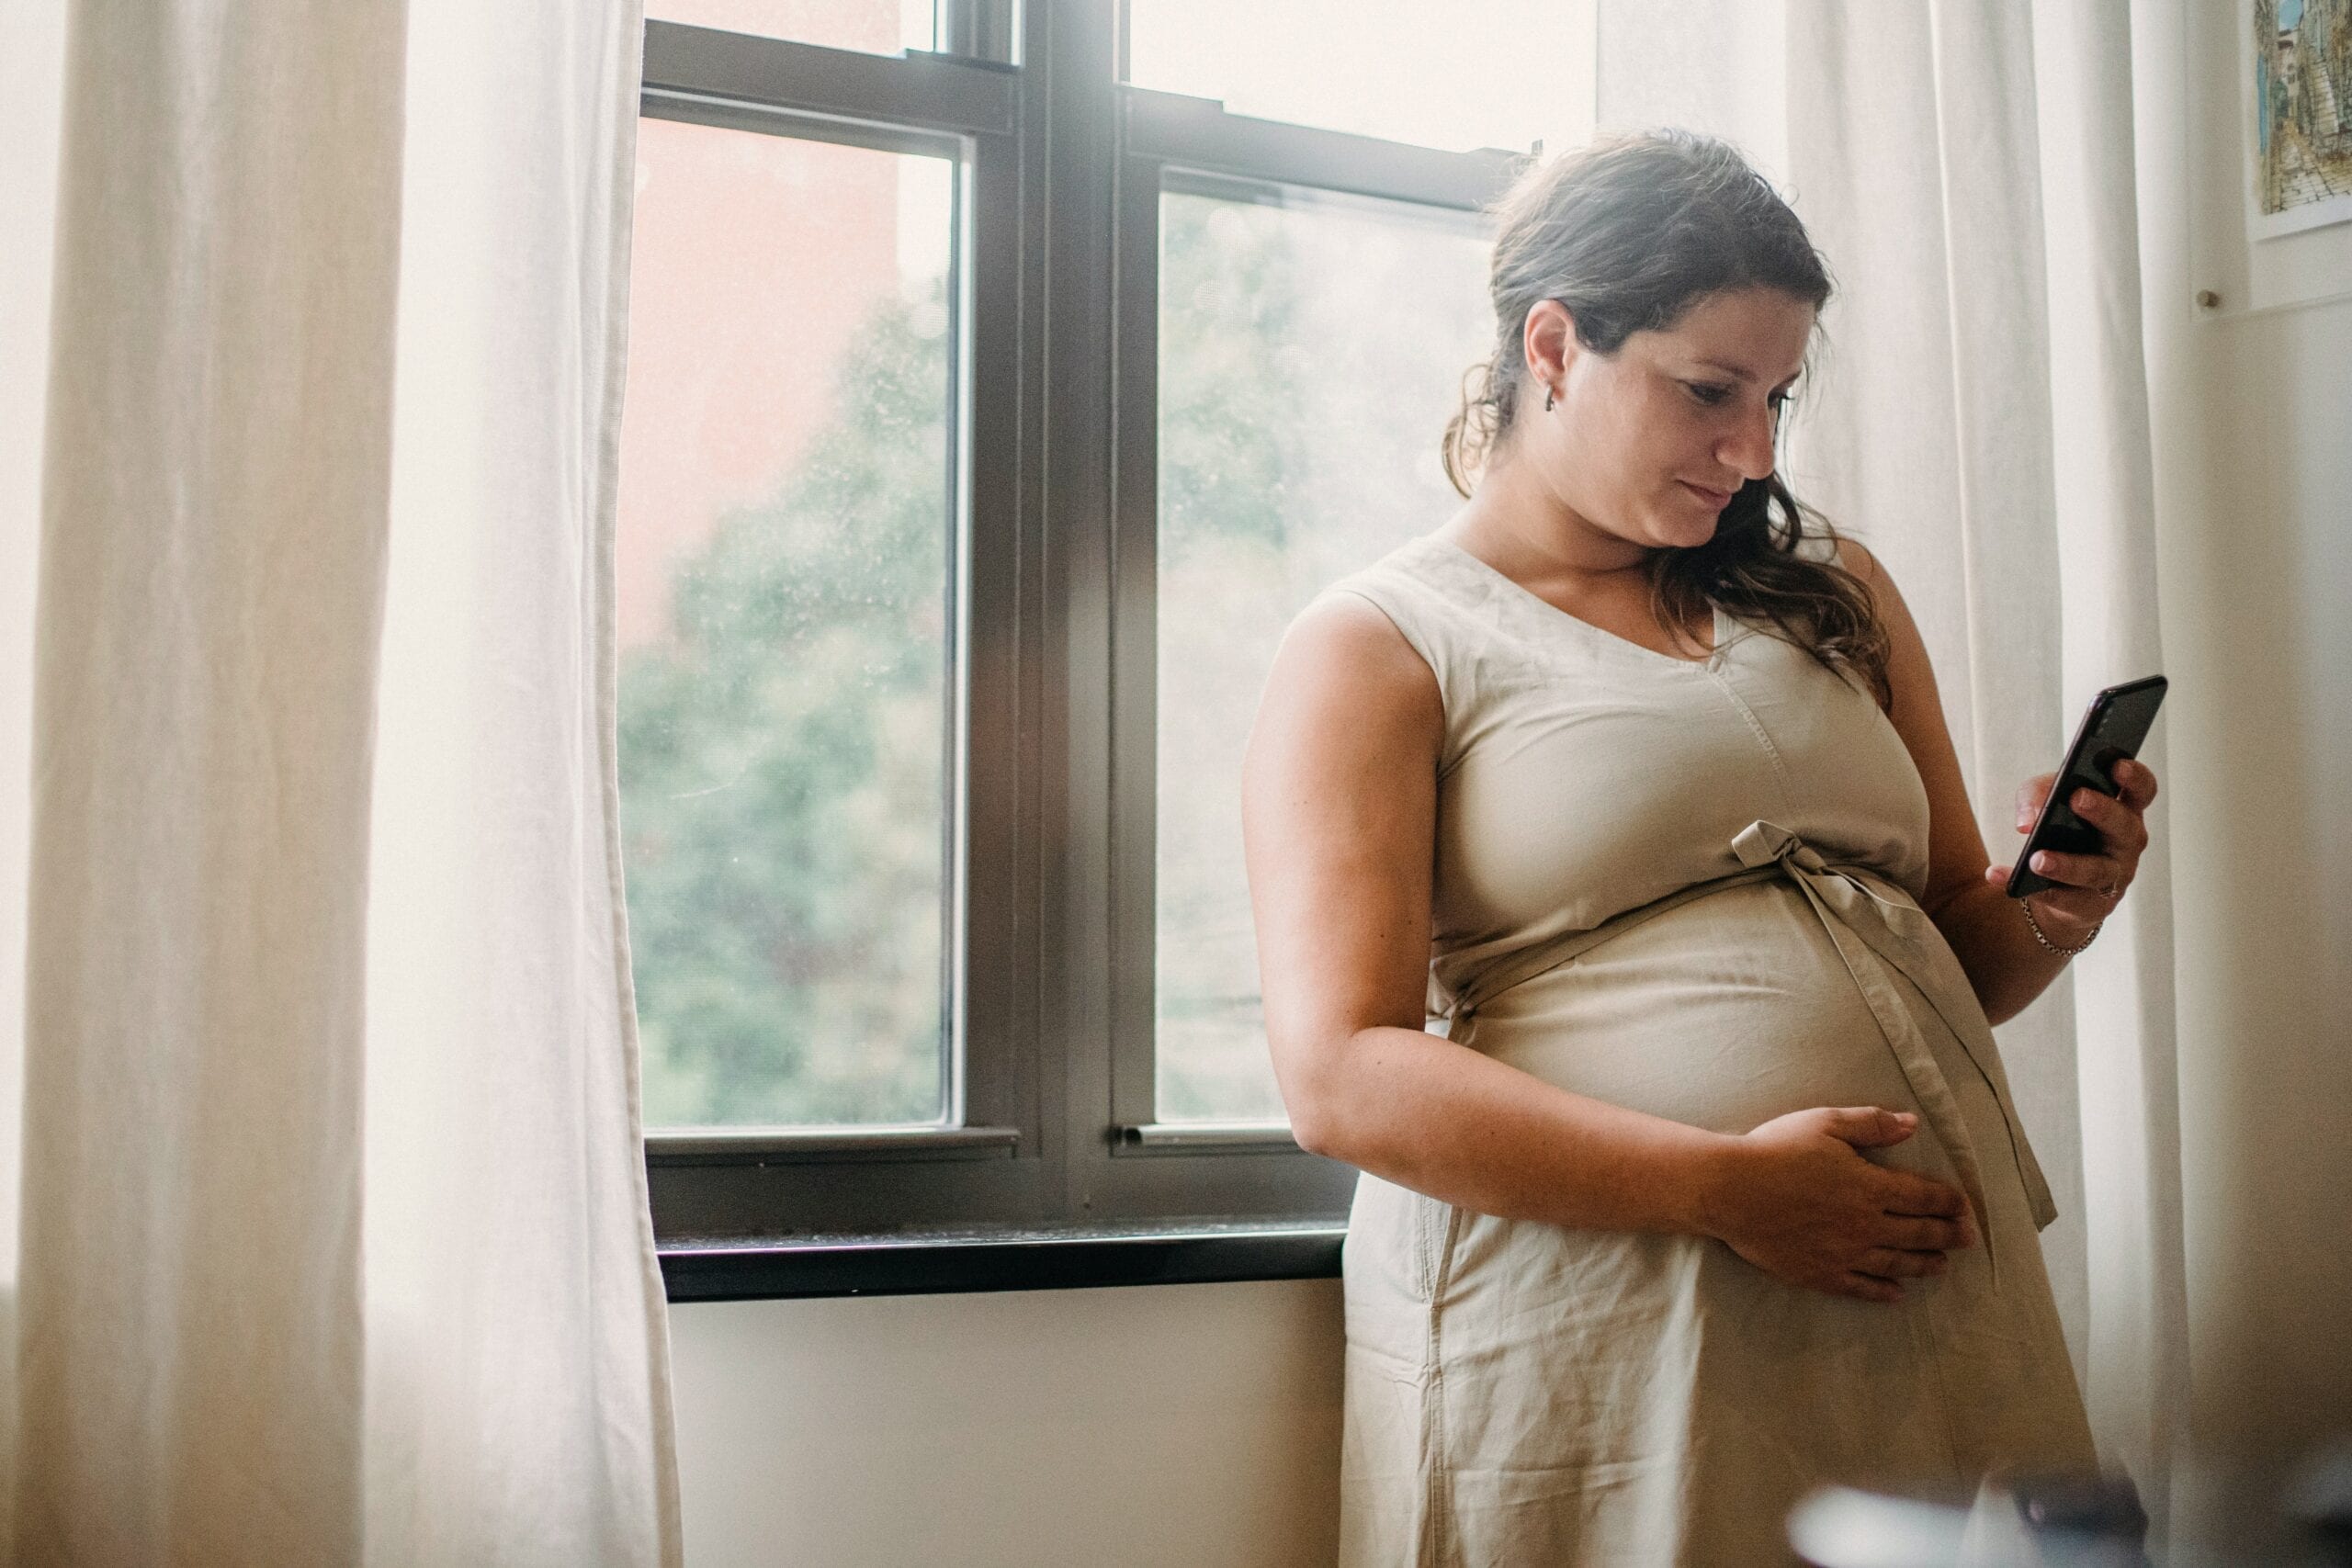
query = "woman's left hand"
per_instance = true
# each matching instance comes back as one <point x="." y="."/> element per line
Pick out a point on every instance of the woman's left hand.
<point x="2089" y="887"/>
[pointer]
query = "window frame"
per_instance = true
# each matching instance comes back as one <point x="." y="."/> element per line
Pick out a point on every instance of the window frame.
<point x="1170" y="143"/>
<point x="1057" y="1172"/>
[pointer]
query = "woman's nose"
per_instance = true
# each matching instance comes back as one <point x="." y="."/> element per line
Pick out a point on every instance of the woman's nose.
<point x="1749" y="447"/>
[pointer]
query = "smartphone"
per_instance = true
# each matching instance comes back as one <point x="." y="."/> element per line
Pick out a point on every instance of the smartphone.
<point x="2113" y="727"/>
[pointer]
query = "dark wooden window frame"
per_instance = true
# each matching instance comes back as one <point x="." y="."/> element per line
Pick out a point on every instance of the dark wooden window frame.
<point x="1056" y="1170"/>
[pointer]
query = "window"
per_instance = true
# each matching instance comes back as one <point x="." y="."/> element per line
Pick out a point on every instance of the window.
<point x="1469" y="74"/>
<point x="990" y="411"/>
<point x="788" y="669"/>
<point x="891" y="26"/>
<point x="1308" y="345"/>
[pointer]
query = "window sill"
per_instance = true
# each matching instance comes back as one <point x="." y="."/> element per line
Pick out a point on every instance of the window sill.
<point x="1003" y="1259"/>
<point x="810" y="1146"/>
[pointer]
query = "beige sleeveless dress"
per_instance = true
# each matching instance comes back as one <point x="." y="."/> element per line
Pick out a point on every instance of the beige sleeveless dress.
<point x="1689" y="888"/>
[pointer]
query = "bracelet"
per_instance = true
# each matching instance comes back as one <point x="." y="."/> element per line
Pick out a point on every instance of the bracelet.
<point x="2035" y="926"/>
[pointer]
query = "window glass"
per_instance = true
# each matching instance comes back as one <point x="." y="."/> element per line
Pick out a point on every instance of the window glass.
<point x="1311" y="351"/>
<point x="785" y="562"/>
<point x="1468" y="73"/>
<point x="873" y="26"/>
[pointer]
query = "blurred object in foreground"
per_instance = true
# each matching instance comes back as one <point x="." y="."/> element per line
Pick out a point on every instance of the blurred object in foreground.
<point x="2320" y="1499"/>
<point x="2023" y="1524"/>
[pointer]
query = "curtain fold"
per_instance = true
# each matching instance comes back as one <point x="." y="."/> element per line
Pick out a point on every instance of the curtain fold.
<point x="2137" y="1375"/>
<point x="213" y="485"/>
<point x="334" y="1242"/>
<point x="1977" y="415"/>
<point x="517" y="1365"/>
<point x="31" y="119"/>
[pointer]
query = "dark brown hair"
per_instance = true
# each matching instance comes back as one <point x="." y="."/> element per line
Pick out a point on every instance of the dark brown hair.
<point x="1630" y="233"/>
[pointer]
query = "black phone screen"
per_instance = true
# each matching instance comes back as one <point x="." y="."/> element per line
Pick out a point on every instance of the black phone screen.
<point x="2114" y="727"/>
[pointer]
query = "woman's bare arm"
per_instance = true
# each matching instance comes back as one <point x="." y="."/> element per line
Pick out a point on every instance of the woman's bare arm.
<point x="1966" y="899"/>
<point x="1340" y="808"/>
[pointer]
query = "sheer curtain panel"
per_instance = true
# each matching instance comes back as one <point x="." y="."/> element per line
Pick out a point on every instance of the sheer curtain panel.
<point x="334" y="1239"/>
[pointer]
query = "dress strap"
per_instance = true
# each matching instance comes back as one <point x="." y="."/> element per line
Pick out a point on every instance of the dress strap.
<point x="1475" y="990"/>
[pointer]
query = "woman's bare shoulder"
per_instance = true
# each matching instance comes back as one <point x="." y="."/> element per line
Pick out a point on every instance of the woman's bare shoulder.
<point x="1347" y="638"/>
<point x="1345" y="668"/>
<point x="1856" y="558"/>
<point x="1886" y="599"/>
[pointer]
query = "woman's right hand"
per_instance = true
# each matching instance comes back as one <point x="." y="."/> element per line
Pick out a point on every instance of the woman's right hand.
<point x="1796" y="1201"/>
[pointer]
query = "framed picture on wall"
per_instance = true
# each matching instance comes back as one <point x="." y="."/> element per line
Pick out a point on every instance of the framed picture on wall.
<point x="2298" y="90"/>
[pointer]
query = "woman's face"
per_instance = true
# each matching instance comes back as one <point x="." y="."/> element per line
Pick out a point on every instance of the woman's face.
<point x="1648" y="444"/>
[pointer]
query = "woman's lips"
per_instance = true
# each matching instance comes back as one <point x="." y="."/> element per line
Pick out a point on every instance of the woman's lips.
<point x="1718" y="498"/>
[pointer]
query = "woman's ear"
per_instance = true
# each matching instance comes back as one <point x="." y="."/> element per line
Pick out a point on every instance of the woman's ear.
<point x="1549" y="342"/>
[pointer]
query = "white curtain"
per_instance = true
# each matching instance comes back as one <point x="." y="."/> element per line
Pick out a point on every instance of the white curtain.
<point x="334" y="1247"/>
<point x="1978" y="415"/>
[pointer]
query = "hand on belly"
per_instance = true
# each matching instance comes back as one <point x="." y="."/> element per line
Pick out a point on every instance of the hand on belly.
<point x="1795" y="1199"/>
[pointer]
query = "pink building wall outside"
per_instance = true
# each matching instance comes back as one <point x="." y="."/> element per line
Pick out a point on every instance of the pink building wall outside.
<point x="755" y="258"/>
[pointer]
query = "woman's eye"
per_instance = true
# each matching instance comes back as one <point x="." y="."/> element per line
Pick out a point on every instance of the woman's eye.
<point x="1707" y="393"/>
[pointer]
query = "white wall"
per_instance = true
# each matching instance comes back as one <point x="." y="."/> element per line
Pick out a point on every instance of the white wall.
<point x="2260" y="648"/>
<point x="2254" y="425"/>
<point x="1150" y="1426"/>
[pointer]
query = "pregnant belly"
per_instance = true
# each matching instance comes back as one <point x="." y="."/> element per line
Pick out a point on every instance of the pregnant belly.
<point x="1723" y="1014"/>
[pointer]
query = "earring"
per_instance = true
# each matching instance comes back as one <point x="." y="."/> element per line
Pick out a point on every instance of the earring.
<point x="1548" y="399"/>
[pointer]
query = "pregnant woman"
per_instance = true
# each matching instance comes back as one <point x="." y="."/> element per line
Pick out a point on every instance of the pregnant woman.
<point x="1622" y="916"/>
